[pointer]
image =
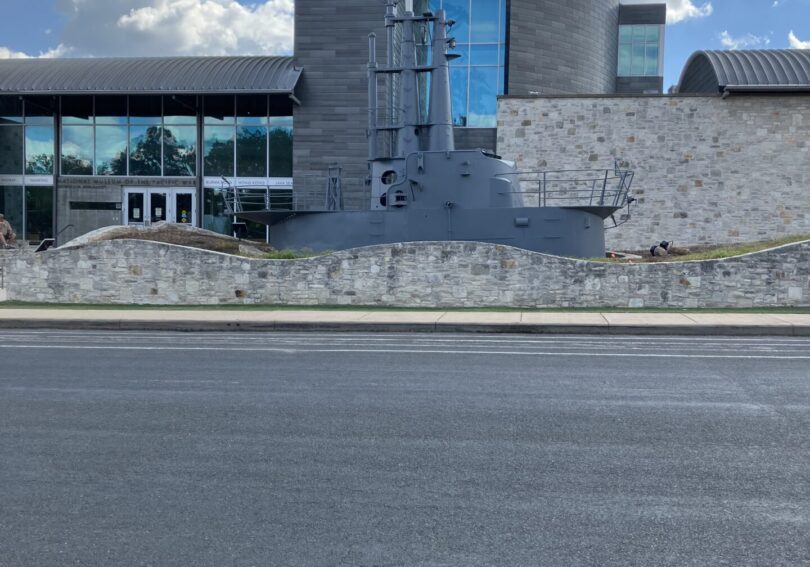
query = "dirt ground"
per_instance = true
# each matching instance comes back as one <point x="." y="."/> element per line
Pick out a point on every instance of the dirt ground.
<point x="185" y="235"/>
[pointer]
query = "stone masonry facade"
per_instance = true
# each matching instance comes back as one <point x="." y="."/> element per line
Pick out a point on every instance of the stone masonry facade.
<point x="432" y="274"/>
<point x="708" y="169"/>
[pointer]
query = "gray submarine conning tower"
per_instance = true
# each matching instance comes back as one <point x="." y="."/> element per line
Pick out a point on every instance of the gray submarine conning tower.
<point x="420" y="188"/>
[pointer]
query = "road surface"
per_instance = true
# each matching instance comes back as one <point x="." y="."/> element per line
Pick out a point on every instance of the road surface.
<point x="385" y="450"/>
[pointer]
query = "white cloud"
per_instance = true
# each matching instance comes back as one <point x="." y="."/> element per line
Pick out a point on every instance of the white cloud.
<point x="682" y="10"/>
<point x="109" y="28"/>
<point x="212" y="27"/>
<point x="743" y="42"/>
<point x="796" y="43"/>
<point x="6" y="53"/>
<point x="59" y="51"/>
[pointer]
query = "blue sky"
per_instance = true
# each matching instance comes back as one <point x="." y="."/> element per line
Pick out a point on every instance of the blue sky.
<point x="80" y="28"/>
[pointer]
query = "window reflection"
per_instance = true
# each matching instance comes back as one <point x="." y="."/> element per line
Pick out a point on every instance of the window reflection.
<point x="219" y="150"/>
<point x="251" y="151"/>
<point x="144" y="150"/>
<point x="180" y="151"/>
<point x="77" y="150"/>
<point x="480" y="31"/>
<point x="485" y="21"/>
<point x="639" y="51"/>
<point x="459" y="81"/>
<point x="281" y="146"/>
<point x="38" y="213"/>
<point x="39" y="142"/>
<point x="483" y="96"/>
<point x="111" y="150"/>
<point x="215" y="217"/>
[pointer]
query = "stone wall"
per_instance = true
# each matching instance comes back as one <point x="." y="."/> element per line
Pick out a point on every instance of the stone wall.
<point x="708" y="170"/>
<point x="454" y="274"/>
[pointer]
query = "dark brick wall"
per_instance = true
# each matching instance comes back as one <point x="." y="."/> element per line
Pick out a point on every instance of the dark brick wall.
<point x="331" y="44"/>
<point x="563" y="46"/>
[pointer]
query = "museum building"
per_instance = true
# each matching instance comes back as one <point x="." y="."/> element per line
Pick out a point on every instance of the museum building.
<point x="86" y="143"/>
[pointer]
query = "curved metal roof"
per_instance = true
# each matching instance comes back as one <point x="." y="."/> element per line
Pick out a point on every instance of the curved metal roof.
<point x="149" y="75"/>
<point x="766" y="69"/>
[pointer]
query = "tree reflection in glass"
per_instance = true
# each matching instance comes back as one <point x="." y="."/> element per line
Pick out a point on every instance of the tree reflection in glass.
<point x="251" y="151"/>
<point x="219" y="147"/>
<point x="281" y="146"/>
<point x="39" y="150"/>
<point x="144" y="153"/>
<point x="180" y="151"/>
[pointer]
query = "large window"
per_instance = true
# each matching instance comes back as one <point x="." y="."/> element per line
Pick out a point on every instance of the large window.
<point x="29" y="210"/>
<point x="149" y="136"/>
<point x="26" y="149"/>
<point x="640" y="51"/>
<point x="244" y="136"/>
<point x="247" y="137"/>
<point x="477" y="77"/>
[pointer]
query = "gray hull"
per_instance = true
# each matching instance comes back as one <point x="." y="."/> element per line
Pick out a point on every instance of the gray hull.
<point x="551" y="230"/>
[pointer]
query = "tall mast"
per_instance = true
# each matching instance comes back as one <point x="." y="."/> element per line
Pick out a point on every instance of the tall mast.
<point x="440" y="117"/>
<point x="408" y="134"/>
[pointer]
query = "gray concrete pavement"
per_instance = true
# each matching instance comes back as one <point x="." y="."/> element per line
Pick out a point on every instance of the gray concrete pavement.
<point x="402" y="449"/>
<point x="415" y="321"/>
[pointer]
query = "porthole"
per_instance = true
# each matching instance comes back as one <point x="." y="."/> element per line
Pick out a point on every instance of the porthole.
<point x="389" y="177"/>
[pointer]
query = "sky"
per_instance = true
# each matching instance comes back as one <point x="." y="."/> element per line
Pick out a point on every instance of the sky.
<point x="98" y="28"/>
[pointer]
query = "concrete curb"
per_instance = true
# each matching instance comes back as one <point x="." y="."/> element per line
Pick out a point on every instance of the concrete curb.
<point x="786" y="330"/>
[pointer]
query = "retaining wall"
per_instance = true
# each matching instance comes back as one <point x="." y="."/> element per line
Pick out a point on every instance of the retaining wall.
<point x="708" y="169"/>
<point x="454" y="274"/>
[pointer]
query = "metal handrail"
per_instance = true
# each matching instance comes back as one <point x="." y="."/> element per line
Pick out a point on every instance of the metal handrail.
<point x="598" y="187"/>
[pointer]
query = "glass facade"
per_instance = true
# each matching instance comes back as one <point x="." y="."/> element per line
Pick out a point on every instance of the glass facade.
<point x="137" y="136"/>
<point x="640" y="51"/>
<point x="478" y="76"/>
<point x="148" y="136"/>
<point x="247" y="136"/>
<point x="27" y="149"/>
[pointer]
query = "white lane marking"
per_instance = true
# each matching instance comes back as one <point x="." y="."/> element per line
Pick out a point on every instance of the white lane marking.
<point x="431" y="337"/>
<point x="518" y="344"/>
<point x="512" y="340"/>
<point x="407" y="351"/>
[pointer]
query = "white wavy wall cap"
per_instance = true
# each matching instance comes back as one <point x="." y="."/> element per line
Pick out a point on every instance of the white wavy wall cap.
<point x="682" y="10"/>
<point x="796" y="43"/>
<point x="215" y="27"/>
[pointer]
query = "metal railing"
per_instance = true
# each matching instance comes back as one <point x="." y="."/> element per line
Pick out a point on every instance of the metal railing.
<point x="575" y="187"/>
<point x="312" y="193"/>
<point x="606" y="188"/>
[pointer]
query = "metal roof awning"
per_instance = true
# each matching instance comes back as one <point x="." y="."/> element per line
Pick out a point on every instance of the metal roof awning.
<point x="747" y="71"/>
<point x="149" y="75"/>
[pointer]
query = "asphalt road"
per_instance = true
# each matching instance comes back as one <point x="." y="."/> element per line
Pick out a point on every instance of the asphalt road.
<point x="326" y="449"/>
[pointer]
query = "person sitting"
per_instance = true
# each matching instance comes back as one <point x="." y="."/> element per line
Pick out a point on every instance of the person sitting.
<point x="7" y="236"/>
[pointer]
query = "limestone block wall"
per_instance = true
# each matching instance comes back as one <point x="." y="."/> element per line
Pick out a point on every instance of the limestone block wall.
<point x="431" y="274"/>
<point x="708" y="170"/>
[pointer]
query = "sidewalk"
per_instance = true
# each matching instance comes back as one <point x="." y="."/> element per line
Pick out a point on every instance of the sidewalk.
<point x="409" y="321"/>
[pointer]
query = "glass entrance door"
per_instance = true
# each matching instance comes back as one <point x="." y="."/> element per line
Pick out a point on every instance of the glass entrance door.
<point x="144" y="206"/>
